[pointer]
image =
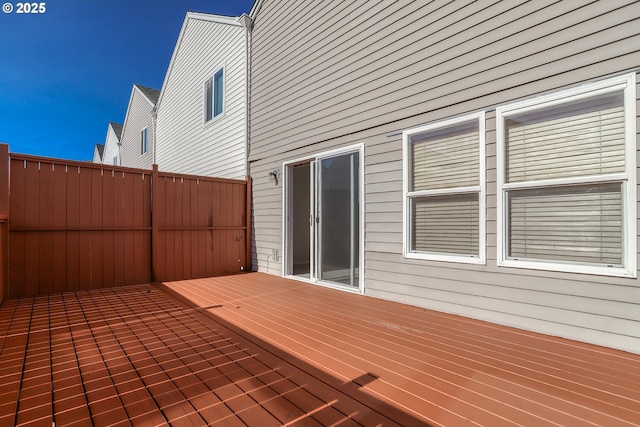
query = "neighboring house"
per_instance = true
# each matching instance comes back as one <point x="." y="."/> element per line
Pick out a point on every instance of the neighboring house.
<point x="98" y="151"/>
<point x="201" y="124"/>
<point x="136" y="142"/>
<point x="112" y="144"/>
<point x="471" y="157"/>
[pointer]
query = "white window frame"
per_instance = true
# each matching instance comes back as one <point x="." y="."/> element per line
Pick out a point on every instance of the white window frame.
<point x="144" y="141"/>
<point x="211" y="78"/>
<point x="479" y="189"/>
<point x="627" y="83"/>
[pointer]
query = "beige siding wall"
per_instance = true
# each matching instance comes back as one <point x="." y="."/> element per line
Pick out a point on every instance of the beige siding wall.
<point x="331" y="74"/>
<point x="185" y="144"/>
<point x="138" y="117"/>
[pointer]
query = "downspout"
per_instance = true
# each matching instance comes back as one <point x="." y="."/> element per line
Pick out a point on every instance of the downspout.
<point x="247" y="24"/>
<point x="154" y="117"/>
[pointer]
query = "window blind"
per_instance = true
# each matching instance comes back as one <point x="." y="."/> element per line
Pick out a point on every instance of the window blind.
<point x="578" y="223"/>
<point x="580" y="138"/>
<point x="446" y="158"/>
<point x="446" y="224"/>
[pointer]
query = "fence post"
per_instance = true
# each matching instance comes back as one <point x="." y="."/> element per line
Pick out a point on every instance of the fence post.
<point x="4" y="221"/>
<point x="247" y="234"/>
<point x="155" y="223"/>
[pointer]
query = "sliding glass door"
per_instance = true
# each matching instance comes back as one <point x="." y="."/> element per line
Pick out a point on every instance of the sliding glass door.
<point x="323" y="231"/>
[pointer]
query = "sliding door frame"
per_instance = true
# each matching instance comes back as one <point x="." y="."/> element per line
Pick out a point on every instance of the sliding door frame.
<point x="287" y="209"/>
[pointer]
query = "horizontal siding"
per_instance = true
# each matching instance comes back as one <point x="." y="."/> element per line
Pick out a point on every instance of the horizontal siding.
<point x="425" y="69"/>
<point x="138" y="117"/>
<point x="537" y="324"/>
<point x="267" y="219"/>
<point x="374" y="69"/>
<point x="185" y="144"/>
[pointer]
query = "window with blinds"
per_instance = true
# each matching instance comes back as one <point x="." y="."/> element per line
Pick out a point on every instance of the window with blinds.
<point x="581" y="224"/>
<point x="580" y="138"/>
<point x="444" y="191"/>
<point x="446" y="224"/>
<point x="564" y="180"/>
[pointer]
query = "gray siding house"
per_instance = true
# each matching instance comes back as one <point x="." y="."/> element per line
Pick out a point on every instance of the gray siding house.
<point x="137" y="140"/>
<point x="202" y="113"/>
<point x="470" y="157"/>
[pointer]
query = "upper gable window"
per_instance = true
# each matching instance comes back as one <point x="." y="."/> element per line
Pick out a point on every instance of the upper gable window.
<point x="143" y="141"/>
<point x="566" y="180"/>
<point x="444" y="191"/>
<point x="214" y="96"/>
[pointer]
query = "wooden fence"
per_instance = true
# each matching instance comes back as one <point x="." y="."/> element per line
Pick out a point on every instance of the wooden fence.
<point x="200" y="226"/>
<point x="74" y="225"/>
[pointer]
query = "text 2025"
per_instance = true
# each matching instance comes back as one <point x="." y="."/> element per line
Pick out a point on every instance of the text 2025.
<point x="31" y="7"/>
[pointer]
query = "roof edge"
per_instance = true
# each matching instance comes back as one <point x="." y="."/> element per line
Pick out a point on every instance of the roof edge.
<point x="148" y="92"/>
<point x="242" y="21"/>
<point x="220" y="19"/>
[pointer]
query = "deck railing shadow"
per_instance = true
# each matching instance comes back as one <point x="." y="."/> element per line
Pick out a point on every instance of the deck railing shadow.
<point x="134" y="355"/>
<point x="366" y="409"/>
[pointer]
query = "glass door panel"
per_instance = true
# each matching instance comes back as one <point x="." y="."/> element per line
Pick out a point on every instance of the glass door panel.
<point x="300" y="218"/>
<point x="337" y="219"/>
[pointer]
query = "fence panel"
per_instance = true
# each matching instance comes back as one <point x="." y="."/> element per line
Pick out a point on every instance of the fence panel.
<point x="63" y="226"/>
<point x="201" y="226"/>
<point x="72" y="226"/>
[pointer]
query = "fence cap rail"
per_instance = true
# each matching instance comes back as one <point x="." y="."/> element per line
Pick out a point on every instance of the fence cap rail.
<point x="162" y="174"/>
<point x="100" y="166"/>
<point x="65" y="162"/>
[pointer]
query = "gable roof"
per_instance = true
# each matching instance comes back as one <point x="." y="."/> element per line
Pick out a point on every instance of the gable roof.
<point x="242" y="21"/>
<point x="117" y="129"/>
<point x="100" y="149"/>
<point x="151" y="94"/>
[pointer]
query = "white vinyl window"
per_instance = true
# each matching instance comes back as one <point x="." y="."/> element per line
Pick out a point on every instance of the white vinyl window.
<point x="566" y="180"/>
<point x="444" y="187"/>
<point x="214" y="95"/>
<point x="143" y="141"/>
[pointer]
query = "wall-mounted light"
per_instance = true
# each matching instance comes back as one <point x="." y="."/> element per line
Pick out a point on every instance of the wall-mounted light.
<point x="274" y="176"/>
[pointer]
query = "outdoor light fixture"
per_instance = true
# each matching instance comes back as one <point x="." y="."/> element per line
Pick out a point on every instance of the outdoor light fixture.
<point x="274" y="176"/>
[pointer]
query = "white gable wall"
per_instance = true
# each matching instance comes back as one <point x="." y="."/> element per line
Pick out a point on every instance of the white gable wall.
<point x="111" y="148"/>
<point x="96" y="155"/>
<point x="139" y="116"/>
<point x="184" y="143"/>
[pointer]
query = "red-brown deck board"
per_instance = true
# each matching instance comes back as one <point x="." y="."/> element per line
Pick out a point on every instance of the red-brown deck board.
<point x="259" y="350"/>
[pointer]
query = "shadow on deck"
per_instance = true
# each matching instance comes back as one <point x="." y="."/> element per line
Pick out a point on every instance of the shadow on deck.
<point x="259" y="350"/>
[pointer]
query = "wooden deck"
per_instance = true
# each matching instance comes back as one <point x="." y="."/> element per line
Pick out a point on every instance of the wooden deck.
<point x="259" y="350"/>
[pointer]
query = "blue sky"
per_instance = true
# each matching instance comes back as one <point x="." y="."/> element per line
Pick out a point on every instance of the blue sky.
<point x="66" y="73"/>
